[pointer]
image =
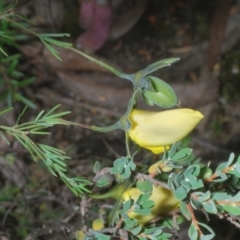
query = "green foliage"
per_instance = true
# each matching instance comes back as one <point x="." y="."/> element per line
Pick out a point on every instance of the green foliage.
<point x="123" y="167"/>
<point x="52" y="157"/>
<point x="11" y="79"/>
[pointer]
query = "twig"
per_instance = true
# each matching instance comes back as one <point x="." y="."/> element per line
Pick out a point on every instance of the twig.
<point x="101" y="173"/>
<point x="47" y="230"/>
<point x="215" y="175"/>
<point x="194" y="220"/>
<point x="230" y="219"/>
<point x="8" y="212"/>
<point x="141" y="176"/>
<point x="111" y="149"/>
<point x="83" y="210"/>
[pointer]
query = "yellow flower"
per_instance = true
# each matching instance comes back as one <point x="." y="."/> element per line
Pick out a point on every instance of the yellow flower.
<point x="164" y="202"/>
<point x="154" y="130"/>
<point x="98" y="224"/>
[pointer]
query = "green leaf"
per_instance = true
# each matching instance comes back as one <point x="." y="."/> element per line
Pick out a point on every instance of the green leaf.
<point x="160" y="86"/>
<point x="159" y="99"/>
<point x="142" y="238"/>
<point x="180" y="193"/>
<point x="235" y="198"/>
<point x="102" y="182"/>
<point x="143" y="198"/>
<point x="182" y="154"/>
<point x="221" y="177"/>
<point x="205" y="196"/>
<point x="26" y="82"/>
<point x="96" y="167"/>
<point x="238" y="159"/>
<point x="135" y="231"/>
<point x="220" y="196"/>
<point x="55" y="42"/>
<point x="210" y="206"/>
<point x="192" y="232"/>
<point x="162" y="95"/>
<point x="169" y="154"/>
<point x="126" y="174"/>
<point x="26" y="101"/>
<point x="150" y="231"/>
<point x="195" y="183"/>
<point x="17" y="75"/>
<point x="51" y="49"/>
<point x="186" y="185"/>
<point x="4" y="138"/>
<point x="230" y="159"/>
<point x="184" y="210"/>
<point x="208" y="236"/>
<point x="192" y="170"/>
<point x="148" y="204"/>
<point x="118" y="165"/>
<point x="123" y="166"/>
<point x="131" y="165"/>
<point x="55" y="35"/>
<point x="159" y="64"/>
<point x="6" y="110"/>
<point x="221" y="167"/>
<point x="236" y="170"/>
<point x="126" y="206"/>
<point x="231" y="208"/>
<point x="130" y="223"/>
<point x="1" y="50"/>
<point x="100" y="236"/>
<point x="165" y="236"/>
<point x="158" y="232"/>
<point x="144" y="186"/>
<point x="146" y="211"/>
<point x="195" y="203"/>
<point x="11" y="58"/>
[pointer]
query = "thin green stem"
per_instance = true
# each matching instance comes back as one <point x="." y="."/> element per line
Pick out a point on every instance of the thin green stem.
<point x="110" y="128"/>
<point x="7" y="80"/>
<point x="12" y="130"/>
<point x="104" y="65"/>
<point x="19" y="25"/>
<point x="132" y="101"/>
<point x="6" y="14"/>
<point x="127" y="145"/>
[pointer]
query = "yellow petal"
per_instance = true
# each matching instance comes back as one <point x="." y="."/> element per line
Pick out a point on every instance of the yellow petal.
<point x="158" y="150"/>
<point x="152" y="130"/>
<point x="164" y="202"/>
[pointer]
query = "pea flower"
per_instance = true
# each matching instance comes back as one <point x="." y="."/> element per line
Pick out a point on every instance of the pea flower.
<point x="164" y="202"/>
<point x="154" y="130"/>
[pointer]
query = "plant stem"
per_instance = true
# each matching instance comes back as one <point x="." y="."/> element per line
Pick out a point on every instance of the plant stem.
<point x="127" y="145"/>
<point x="104" y="65"/>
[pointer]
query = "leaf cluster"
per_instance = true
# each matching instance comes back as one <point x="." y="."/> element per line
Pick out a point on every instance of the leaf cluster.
<point x="53" y="158"/>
